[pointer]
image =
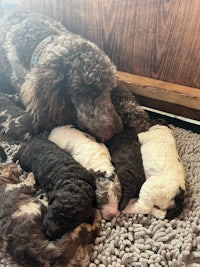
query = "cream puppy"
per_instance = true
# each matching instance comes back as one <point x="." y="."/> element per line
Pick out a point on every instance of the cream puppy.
<point x="163" y="192"/>
<point x="93" y="156"/>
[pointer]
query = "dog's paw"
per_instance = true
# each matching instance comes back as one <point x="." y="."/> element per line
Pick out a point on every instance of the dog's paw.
<point x="129" y="207"/>
<point x="158" y="213"/>
<point x="30" y="180"/>
<point x="97" y="216"/>
<point x="137" y="206"/>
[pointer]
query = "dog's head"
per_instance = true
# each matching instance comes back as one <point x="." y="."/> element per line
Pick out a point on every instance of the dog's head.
<point x="68" y="207"/>
<point x="176" y="208"/>
<point x="74" y="87"/>
<point x="92" y="80"/>
<point x="108" y="195"/>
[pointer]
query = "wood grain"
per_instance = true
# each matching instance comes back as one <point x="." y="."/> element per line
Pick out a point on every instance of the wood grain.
<point x="151" y="38"/>
<point x="164" y="96"/>
<point x="160" y="90"/>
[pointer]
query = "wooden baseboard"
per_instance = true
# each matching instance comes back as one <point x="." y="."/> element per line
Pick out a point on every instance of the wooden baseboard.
<point x="173" y="98"/>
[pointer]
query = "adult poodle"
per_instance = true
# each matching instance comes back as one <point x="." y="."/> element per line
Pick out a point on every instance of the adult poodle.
<point x="21" y="216"/>
<point x="62" y="78"/>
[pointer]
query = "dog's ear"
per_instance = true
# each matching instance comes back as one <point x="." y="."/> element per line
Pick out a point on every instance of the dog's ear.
<point x="178" y="205"/>
<point x="45" y="95"/>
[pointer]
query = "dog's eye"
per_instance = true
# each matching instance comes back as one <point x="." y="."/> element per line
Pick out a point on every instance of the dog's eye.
<point x="95" y="93"/>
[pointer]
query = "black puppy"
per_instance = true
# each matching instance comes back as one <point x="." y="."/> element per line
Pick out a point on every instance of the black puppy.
<point x="126" y="158"/>
<point x="70" y="188"/>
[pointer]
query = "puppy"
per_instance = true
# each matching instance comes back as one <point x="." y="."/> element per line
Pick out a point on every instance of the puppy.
<point x="163" y="192"/>
<point x="70" y="188"/>
<point x="21" y="227"/>
<point x="129" y="110"/>
<point x="95" y="156"/>
<point x="126" y="158"/>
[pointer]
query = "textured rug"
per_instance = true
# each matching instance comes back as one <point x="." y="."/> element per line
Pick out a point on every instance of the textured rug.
<point x="143" y="241"/>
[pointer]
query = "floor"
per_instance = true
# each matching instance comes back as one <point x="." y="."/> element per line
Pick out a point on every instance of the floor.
<point x="176" y="122"/>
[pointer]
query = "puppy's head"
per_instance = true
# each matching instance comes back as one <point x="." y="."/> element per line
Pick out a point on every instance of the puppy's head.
<point x="177" y="207"/>
<point x="9" y="174"/>
<point x="68" y="207"/>
<point x="108" y="194"/>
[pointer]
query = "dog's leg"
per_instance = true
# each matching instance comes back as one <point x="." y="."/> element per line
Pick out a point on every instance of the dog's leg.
<point x="158" y="213"/>
<point x="138" y="207"/>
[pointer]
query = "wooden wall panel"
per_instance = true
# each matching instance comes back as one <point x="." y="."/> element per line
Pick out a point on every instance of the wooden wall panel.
<point x="159" y="39"/>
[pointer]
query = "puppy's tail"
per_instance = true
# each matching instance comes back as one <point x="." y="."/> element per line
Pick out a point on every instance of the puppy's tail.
<point x="178" y="205"/>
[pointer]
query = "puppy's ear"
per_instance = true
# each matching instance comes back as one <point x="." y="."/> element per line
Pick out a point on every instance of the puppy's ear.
<point x="178" y="205"/>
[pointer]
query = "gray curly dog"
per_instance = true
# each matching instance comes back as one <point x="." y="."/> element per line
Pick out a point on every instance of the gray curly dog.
<point x="61" y="77"/>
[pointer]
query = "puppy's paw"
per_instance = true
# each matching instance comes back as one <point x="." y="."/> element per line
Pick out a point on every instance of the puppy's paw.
<point x="137" y="207"/>
<point x="130" y="207"/>
<point x="97" y="216"/>
<point x="158" y="213"/>
<point x="30" y="180"/>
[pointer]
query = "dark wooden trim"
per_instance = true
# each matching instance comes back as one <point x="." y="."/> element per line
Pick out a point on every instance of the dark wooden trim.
<point x="173" y="98"/>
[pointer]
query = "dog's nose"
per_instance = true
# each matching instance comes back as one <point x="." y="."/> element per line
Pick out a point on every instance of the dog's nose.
<point x="108" y="215"/>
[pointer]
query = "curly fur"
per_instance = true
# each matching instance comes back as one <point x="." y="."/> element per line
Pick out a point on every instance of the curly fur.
<point x="14" y="121"/>
<point x="70" y="188"/>
<point x="71" y="82"/>
<point x="129" y="110"/>
<point x="163" y="192"/>
<point x="95" y="156"/>
<point x="126" y="158"/>
<point x="21" y="218"/>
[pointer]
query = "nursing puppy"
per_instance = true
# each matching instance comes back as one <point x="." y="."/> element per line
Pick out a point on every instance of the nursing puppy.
<point x="129" y="110"/>
<point x="95" y="156"/>
<point x="21" y="216"/>
<point x="163" y="192"/>
<point x="126" y="158"/>
<point x="70" y="187"/>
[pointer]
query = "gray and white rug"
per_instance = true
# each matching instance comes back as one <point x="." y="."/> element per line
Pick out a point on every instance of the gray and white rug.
<point x="143" y="241"/>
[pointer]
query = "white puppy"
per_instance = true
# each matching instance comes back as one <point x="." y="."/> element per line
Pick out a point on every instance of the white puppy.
<point x="162" y="194"/>
<point x="93" y="156"/>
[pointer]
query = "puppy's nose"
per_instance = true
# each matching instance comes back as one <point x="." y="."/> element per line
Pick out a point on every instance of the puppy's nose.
<point x="108" y="216"/>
